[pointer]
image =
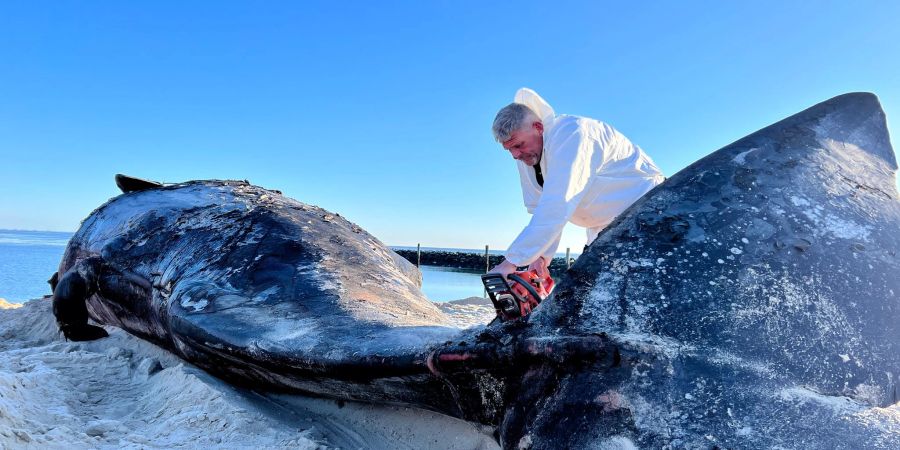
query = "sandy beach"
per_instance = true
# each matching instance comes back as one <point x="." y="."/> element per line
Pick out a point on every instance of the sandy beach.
<point x="123" y="392"/>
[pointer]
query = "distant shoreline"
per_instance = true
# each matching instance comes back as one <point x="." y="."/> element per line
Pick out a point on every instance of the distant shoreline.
<point x="476" y="251"/>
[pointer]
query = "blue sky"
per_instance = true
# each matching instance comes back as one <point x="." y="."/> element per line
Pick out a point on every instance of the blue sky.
<point x="381" y="111"/>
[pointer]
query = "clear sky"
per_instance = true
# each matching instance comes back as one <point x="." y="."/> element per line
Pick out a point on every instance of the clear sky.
<point x="381" y="111"/>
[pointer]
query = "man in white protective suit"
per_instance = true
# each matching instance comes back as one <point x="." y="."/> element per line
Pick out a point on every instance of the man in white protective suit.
<point x="573" y="169"/>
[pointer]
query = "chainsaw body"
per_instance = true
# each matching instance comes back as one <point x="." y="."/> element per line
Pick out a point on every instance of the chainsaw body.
<point x="518" y="294"/>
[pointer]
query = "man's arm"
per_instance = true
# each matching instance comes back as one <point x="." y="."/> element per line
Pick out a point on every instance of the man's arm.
<point x="568" y="176"/>
<point x="504" y="268"/>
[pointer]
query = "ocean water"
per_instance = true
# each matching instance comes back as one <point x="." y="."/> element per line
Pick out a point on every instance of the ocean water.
<point x="442" y="284"/>
<point x="29" y="258"/>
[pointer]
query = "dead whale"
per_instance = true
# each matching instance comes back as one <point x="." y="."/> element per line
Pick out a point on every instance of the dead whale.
<point x="252" y="286"/>
<point x="750" y="301"/>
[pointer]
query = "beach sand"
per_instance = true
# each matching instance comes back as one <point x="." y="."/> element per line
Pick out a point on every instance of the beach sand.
<point x="123" y="392"/>
<point x="7" y="305"/>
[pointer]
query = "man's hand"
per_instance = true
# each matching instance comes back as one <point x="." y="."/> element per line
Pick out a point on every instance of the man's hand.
<point x="505" y="268"/>
<point x="540" y="266"/>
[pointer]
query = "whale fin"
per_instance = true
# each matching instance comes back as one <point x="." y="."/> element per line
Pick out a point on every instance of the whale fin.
<point x="53" y="281"/>
<point x="69" y="295"/>
<point x="131" y="184"/>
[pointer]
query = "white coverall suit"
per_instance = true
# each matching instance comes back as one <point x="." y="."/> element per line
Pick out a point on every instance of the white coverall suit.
<point x="591" y="174"/>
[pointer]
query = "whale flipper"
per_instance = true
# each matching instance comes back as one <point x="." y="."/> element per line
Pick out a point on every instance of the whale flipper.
<point x="69" y="296"/>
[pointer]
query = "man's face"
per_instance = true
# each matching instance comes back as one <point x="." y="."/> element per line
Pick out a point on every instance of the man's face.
<point x="526" y="143"/>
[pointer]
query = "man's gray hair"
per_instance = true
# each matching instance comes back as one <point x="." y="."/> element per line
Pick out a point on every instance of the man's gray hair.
<point x="510" y="118"/>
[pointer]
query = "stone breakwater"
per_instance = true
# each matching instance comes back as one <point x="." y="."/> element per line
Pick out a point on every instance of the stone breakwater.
<point x="467" y="260"/>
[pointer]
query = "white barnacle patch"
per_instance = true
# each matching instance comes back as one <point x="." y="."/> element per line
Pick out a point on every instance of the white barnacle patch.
<point x="642" y="262"/>
<point x="525" y="442"/>
<point x="735" y="250"/>
<point x="727" y="359"/>
<point x="846" y="229"/>
<point x="316" y="276"/>
<point x="602" y="301"/>
<point x="195" y="305"/>
<point x="829" y="224"/>
<point x="300" y="332"/>
<point x="617" y="443"/>
<point x="641" y="341"/>
<point x="838" y="403"/>
<point x="868" y="393"/>
<point x="262" y="296"/>
<point x="799" y="201"/>
<point x="783" y="307"/>
<point x="740" y="158"/>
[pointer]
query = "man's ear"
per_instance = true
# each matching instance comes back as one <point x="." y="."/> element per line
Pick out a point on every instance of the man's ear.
<point x="538" y="126"/>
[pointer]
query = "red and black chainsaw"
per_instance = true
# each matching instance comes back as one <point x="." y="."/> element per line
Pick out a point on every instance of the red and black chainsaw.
<point x="516" y="298"/>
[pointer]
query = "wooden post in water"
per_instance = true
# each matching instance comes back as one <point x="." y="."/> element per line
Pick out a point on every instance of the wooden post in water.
<point x="567" y="258"/>
<point x="487" y="265"/>
<point x="418" y="254"/>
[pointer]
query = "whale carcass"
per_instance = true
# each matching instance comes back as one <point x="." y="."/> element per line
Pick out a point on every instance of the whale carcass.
<point x="750" y="301"/>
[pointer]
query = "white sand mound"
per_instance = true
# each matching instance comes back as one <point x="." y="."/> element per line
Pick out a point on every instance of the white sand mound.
<point x="123" y="392"/>
<point x="7" y="305"/>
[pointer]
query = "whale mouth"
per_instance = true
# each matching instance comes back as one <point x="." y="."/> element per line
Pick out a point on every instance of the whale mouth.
<point x="501" y="375"/>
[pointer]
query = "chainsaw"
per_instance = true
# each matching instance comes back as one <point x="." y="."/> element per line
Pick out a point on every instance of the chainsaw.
<point x="515" y="298"/>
